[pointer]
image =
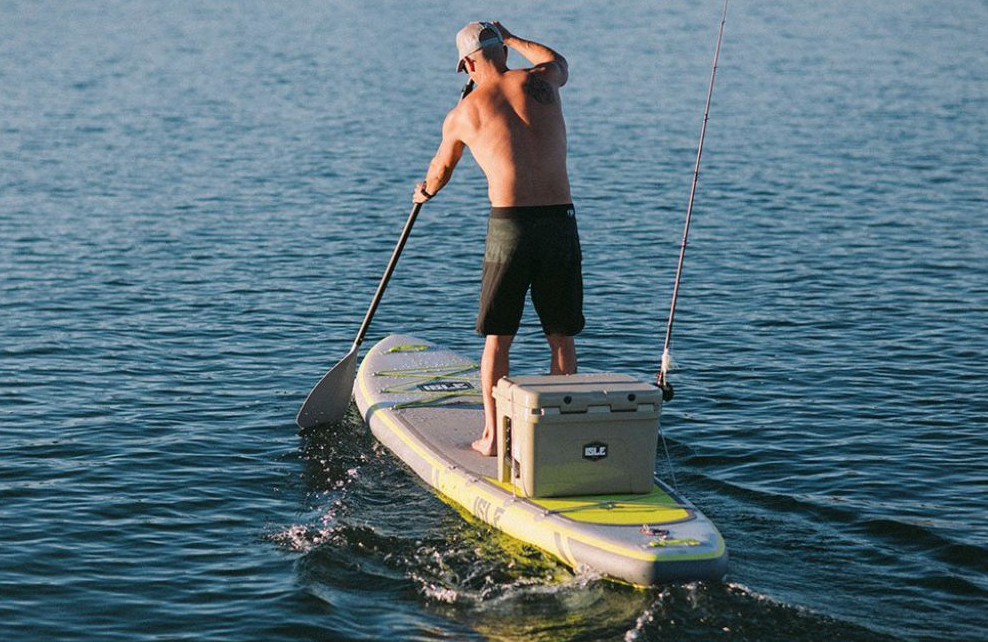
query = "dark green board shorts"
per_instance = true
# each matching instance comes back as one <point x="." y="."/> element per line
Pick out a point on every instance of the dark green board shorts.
<point x="532" y="247"/>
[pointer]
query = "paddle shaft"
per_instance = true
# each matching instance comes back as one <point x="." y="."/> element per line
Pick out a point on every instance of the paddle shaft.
<point x="689" y="208"/>
<point x="387" y="275"/>
<point x="467" y="88"/>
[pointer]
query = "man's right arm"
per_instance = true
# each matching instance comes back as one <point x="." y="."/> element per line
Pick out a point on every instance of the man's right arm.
<point x="552" y="64"/>
<point x="447" y="156"/>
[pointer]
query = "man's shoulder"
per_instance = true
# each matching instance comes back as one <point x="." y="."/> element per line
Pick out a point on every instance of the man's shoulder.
<point x="519" y="79"/>
<point x="547" y="72"/>
<point x="521" y="74"/>
<point x="462" y="110"/>
<point x="459" y="119"/>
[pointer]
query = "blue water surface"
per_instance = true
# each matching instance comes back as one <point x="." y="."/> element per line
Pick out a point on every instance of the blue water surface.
<point x="197" y="200"/>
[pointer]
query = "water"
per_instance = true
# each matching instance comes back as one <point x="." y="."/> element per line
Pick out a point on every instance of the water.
<point x="196" y="203"/>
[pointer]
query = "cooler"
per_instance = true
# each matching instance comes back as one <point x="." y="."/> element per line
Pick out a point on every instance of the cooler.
<point x="582" y="434"/>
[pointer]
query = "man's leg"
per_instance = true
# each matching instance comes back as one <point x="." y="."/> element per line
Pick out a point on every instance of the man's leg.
<point x="563" y="354"/>
<point x="493" y="366"/>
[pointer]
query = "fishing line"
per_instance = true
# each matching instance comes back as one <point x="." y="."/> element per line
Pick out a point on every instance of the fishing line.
<point x="667" y="392"/>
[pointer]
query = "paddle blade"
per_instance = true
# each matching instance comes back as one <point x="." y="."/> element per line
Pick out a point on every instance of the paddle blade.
<point x="328" y="401"/>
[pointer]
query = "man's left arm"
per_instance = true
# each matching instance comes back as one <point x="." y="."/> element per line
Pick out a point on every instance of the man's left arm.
<point x="546" y="61"/>
<point x="441" y="168"/>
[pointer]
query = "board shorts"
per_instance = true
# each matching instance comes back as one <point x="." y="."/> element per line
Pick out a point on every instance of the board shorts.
<point x="537" y="248"/>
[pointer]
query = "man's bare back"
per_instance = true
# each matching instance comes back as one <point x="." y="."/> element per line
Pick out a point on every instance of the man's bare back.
<point x="513" y="125"/>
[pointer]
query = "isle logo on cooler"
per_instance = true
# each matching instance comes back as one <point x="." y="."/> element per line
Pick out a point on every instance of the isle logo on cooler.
<point x="595" y="451"/>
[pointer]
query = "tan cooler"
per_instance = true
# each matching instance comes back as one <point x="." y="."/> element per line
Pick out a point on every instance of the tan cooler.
<point x="583" y="434"/>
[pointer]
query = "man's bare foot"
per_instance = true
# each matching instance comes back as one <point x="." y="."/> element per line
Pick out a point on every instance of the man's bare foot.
<point x="485" y="446"/>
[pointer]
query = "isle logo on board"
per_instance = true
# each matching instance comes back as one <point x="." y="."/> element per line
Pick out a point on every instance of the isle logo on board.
<point x="595" y="451"/>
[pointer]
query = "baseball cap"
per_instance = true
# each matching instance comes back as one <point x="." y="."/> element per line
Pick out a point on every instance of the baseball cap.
<point x="474" y="37"/>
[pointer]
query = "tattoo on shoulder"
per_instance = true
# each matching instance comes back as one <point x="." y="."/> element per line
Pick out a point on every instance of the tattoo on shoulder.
<point x="540" y="90"/>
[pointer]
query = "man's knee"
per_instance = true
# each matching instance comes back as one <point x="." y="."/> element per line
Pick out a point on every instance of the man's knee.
<point x="563" y="354"/>
<point x="497" y="347"/>
<point x="561" y="341"/>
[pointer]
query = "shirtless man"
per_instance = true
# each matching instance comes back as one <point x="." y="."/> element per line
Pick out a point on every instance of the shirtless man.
<point x="513" y="124"/>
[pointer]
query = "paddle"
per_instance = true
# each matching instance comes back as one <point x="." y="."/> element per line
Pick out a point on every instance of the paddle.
<point x="328" y="400"/>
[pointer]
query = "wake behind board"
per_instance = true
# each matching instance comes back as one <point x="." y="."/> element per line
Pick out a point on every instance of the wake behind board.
<point x="424" y="403"/>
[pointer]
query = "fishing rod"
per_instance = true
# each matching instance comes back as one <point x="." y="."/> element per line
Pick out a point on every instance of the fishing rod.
<point x="661" y="380"/>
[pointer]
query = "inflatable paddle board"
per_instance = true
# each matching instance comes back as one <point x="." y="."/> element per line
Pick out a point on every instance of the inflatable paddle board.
<point x="424" y="403"/>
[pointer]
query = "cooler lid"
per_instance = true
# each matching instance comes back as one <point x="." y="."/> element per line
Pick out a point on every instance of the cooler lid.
<point x="574" y="393"/>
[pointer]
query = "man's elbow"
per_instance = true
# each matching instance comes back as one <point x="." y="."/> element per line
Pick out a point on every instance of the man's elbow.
<point x="441" y="171"/>
<point x="563" y="71"/>
<point x="563" y="67"/>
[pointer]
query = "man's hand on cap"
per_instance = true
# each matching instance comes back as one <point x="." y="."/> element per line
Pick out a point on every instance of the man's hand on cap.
<point x="505" y="34"/>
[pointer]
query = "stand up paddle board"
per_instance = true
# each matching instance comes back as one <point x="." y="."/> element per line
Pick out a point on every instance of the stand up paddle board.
<point x="424" y="403"/>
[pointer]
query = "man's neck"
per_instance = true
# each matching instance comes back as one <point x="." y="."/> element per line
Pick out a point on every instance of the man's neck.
<point x="488" y="71"/>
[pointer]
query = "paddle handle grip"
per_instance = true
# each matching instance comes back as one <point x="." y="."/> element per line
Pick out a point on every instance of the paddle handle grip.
<point x="387" y="275"/>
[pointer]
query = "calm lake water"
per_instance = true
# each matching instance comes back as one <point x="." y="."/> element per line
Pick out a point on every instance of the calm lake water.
<point x="197" y="200"/>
